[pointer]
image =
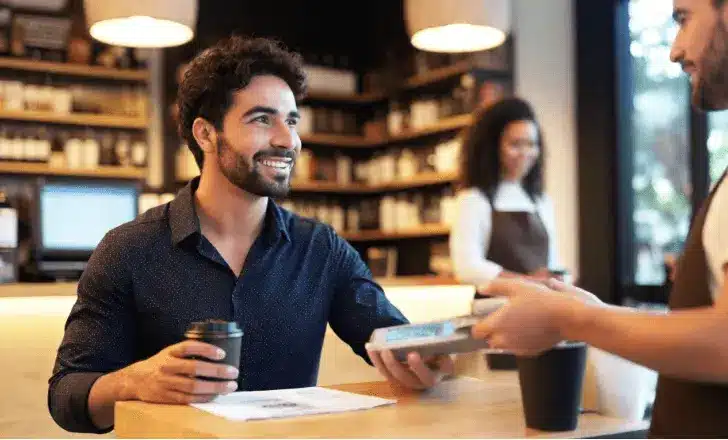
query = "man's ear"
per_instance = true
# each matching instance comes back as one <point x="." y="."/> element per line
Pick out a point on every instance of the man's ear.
<point x="205" y="134"/>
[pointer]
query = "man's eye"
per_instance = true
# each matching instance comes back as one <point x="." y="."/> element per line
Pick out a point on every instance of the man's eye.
<point x="680" y="19"/>
<point x="265" y="119"/>
<point x="292" y="122"/>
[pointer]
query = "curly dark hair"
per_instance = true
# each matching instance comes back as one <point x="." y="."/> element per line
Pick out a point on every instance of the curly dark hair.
<point x="480" y="157"/>
<point x="216" y="73"/>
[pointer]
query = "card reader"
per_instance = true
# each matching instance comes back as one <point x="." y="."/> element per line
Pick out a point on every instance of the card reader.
<point x="435" y="338"/>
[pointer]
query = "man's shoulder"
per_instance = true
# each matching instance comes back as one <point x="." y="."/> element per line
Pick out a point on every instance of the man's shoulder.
<point x="145" y="230"/>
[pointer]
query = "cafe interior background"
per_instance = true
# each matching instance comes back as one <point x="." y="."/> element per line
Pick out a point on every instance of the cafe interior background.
<point x="627" y="158"/>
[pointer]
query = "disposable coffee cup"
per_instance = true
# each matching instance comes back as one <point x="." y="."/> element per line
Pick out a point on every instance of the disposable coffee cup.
<point x="223" y="334"/>
<point x="551" y="387"/>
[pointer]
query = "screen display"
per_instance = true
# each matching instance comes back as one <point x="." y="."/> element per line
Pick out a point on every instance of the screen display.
<point x="416" y="332"/>
<point x="76" y="217"/>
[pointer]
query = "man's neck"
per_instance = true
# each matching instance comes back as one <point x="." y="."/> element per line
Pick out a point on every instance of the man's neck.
<point x="227" y="211"/>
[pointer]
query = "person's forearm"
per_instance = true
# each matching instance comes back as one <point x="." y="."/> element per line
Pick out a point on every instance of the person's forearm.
<point x="690" y="344"/>
<point x="106" y="391"/>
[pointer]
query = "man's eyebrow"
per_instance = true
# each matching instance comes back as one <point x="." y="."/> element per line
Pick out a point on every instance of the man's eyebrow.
<point x="261" y="109"/>
<point x="270" y="111"/>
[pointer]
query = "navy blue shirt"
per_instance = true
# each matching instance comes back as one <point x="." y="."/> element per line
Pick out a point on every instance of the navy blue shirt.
<point x="150" y="278"/>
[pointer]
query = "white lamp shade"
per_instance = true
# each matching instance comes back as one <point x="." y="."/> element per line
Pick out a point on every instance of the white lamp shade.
<point x="141" y="23"/>
<point x="457" y="25"/>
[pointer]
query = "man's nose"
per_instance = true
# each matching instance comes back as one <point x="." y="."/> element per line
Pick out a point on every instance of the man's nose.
<point x="286" y="138"/>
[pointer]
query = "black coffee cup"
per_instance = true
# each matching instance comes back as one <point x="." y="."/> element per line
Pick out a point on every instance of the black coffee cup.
<point x="223" y="334"/>
<point x="551" y="386"/>
<point x="501" y="361"/>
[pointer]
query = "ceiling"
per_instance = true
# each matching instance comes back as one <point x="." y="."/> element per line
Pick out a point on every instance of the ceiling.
<point x="361" y="30"/>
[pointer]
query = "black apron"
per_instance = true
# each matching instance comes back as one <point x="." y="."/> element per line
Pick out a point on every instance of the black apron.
<point x="686" y="408"/>
<point x="519" y="243"/>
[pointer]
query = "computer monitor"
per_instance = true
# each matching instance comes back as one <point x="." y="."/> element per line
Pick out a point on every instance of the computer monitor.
<point x="71" y="218"/>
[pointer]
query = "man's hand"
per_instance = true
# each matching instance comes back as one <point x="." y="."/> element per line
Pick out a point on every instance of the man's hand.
<point x="170" y="377"/>
<point x="416" y="374"/>
<point x="530" y="322"/>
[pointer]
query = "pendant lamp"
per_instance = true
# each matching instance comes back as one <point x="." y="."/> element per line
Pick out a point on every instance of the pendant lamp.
<point x="457" y="25"/>
<point x="141" y="23"/>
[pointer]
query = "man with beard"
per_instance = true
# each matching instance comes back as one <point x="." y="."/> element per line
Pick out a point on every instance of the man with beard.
<point x="222" y="249"/>
<point x="688" y="346"/>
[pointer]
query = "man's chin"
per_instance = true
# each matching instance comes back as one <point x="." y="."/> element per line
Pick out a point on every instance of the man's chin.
<point x="275" y="189"/>
<point x="703" y="100"/>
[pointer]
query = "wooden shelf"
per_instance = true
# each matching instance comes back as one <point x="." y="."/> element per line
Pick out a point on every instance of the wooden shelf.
<point x="419" y="232"/>
<point x="445" y="73"/>
<point x="445" y="125"/>
<point x="423" y="179"/>
<point x="359" y="98"/>
<point x="433" y="76"/>
<point x="452" y="123"/>
<point x="73" y="69"/>
<point x="41" y="169"/>
<point x="82" y="119"/>
<point x="336" y="140"/>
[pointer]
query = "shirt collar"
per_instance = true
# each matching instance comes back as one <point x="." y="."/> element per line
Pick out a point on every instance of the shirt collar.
<point x="183" y="220"/>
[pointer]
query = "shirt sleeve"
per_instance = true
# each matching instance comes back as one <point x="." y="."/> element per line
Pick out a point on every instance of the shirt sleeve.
<point x="548" y="217"/>
<point x="99" y="337"/>
<point x="359" y="305"/>
<point x="470" y="237"/>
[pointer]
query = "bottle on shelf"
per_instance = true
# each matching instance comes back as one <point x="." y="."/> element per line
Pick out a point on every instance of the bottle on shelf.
<point x="17" y="146"/>
<point x="139" y="152"/>
<point x="107" y="157"/>
<point x="44" y="145"/>
<point x="123" y="150"/>
<point x="5" y="146"/>
<point x="73" y="149"/>
<point x="91" y="151"/>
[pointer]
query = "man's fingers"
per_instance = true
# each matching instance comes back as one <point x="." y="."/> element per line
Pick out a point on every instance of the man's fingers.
<point x="424" y="374"/>
<point x="484" y="328"/>
<point x="190" y="385"/>
<point x="189" y="367"/>
<point x="400" y="371"/>
<point x="446" y="365"/>
<point x="196" y="348"/>
<point x="376" y="359"/>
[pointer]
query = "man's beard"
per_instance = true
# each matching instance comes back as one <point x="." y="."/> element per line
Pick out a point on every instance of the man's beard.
<point x="711" y="92"/>
<point x="247" y="176"/>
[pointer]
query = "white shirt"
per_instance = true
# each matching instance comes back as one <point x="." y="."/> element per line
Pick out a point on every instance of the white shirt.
<point x="472" y="225"/>
<point x="715" y="239"/>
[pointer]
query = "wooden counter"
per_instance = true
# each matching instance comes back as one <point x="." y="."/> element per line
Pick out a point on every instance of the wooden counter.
<point x="460" y="408"/>
<point x="34" y="290"/>
<point x="31" y="290"/>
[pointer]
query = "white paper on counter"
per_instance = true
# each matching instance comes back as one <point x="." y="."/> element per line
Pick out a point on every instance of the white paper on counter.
<point x="261" y="405"/>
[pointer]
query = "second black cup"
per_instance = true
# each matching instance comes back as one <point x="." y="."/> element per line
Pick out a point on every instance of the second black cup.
<point x="223" y="334"/>
<point x="551" y="386"/>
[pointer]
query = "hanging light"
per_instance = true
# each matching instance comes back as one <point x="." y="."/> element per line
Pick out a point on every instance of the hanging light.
<point x="457" y="25"/>
<point x="141" y="23"/>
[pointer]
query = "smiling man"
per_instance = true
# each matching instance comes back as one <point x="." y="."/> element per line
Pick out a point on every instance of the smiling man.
<point x="689" y="345"/>
<point x="222" y="249"/>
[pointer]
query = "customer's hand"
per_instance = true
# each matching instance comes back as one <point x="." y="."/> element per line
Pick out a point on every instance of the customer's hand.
<point x="542" y="274"/>
<point x="170" y="377"/>
<point x="530" y="322"/>
<point x="416" y="374"/>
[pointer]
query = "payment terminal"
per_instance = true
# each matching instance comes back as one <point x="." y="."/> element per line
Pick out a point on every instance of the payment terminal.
<point x="435" y="338"/>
